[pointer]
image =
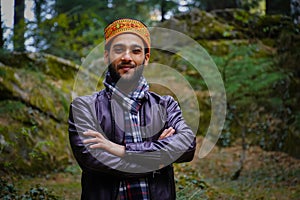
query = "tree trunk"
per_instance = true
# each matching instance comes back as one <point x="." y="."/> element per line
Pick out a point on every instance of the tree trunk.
<point x="19" y="26"/>
<point x="38" y="10"/>
<point x="295" y="11"/>
<point x="238" y="3"/>
<point x="216" y="4"/>
<point x="38" y="4"/>
<point x="163" y="10"/>
<point x="278" y="7"/>
<point x="238" y="172"/>
<point x="1" y="31"/>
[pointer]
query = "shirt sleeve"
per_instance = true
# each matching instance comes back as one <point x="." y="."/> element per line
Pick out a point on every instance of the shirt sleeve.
<point x="81" y="118"/>
<point x="177" y="148"/>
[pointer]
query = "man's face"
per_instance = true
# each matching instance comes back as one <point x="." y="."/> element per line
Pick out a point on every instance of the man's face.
<point x="126" y="57"/>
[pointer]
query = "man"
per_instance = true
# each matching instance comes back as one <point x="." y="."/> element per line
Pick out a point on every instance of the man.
<point x="125" y="138"/>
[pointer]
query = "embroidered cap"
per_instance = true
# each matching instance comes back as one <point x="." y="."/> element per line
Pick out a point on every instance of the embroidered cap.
<point x="127" y="25"/>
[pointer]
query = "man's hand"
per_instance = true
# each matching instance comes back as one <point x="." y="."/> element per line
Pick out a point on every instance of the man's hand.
<point x="98" y="141"/>
<point x="166" y="133"/>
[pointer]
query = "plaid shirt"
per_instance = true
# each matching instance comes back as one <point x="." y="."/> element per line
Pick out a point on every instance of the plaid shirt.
<point x="133" y="189"/>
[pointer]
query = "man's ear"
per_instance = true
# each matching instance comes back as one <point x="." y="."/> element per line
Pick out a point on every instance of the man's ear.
<point x="106" y="59"/>
<point x="147" y="58"/>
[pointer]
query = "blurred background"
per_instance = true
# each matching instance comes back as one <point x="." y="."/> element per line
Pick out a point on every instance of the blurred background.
<point x="254" y="43"/>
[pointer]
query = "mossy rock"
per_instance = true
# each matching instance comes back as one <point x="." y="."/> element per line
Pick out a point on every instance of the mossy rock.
<point x="18" y="60"/>
<point x="241" y="19"/>
<point x="254" y="25"/>
<point x="271" y="26"/>
<point x="56" y="67"/>
<point x="9" y="81"/>
<point x="221" y="47"/>
<point x="202" y="25"/>
<point x="30" y="140"/>
<point x="236" y="17"/>
<point x="35" y="89"/>
<point x="60" y="68"/>
<point x="33" y="113"/>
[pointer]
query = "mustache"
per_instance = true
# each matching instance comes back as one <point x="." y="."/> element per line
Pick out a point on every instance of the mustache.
<point x="123" y="65"/>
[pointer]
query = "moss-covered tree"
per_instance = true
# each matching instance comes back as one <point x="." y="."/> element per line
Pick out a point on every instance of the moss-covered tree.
<point x="19" y="26"/>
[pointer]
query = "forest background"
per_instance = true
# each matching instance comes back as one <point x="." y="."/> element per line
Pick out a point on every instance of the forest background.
<point x="254" y="43"/>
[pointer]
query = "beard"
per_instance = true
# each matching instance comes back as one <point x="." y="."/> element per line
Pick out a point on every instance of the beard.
<point x="126" y="80"/>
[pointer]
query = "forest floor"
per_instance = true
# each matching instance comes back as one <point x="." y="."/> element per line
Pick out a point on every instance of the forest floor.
<point x="265" y="175"/>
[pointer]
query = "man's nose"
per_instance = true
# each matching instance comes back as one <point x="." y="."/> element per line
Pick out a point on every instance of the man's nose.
<point x="126" y="56"/>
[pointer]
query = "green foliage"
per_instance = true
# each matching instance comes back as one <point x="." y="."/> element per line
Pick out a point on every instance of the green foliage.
<point x="73" y="169"/>
<point x="75" y="30"/>
<point x="252" y="81"/>
<point x="271" y="26"/>
<point x="216" y="4"/>
<point x="71" y="35"/>
<point x="39" y="152"/>
<point x="262" y="94"/>
<point x="248" y="77"/>
<point x="10" y="107"/>
<point x="8" y="191"/>
<point x="189" y="183"/>
<point x="39" y="193"/>
<point x="32" y="125"/>
<point x="249" y="4"/>
<point x="288" y="53"/>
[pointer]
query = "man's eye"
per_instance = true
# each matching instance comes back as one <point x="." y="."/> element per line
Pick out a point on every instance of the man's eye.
<point x="118" y="50"/>
<point x="137" y="51"/>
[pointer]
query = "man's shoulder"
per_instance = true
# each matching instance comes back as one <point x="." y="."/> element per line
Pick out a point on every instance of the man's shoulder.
<point x="91" y="98"/>
<point x="161" y="98"/>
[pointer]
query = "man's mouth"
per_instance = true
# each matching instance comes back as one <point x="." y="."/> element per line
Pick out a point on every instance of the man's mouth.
<point x="125" y="68"/>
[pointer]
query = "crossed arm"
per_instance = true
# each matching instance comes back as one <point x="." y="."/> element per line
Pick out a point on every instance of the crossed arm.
<point x="95" y="152"/>
<point x="99" y="141"/>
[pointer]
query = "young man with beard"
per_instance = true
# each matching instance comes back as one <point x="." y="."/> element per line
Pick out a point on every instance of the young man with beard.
<point x="125" y="137"/>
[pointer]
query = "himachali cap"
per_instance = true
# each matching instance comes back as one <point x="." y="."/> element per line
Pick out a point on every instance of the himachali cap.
<point x="127" y="25"/>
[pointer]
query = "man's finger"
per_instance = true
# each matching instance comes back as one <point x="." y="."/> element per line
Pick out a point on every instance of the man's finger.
<point x="169" y="133"/>
<point x="92" y="140"/>
<point x="92" y="133"/>
<point x="166" y="133"/>
<point x="163" y="134"/>
<point x="95" y="146"/>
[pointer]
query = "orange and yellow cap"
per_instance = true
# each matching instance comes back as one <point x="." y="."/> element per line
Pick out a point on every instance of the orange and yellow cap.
<point x="127" y="25"/>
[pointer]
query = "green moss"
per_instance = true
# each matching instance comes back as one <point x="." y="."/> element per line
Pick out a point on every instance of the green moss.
<point x="33" y="146"/>
<point x="202" y="25"/>
<point x="18" y="60"/>
<point x="47" y="97"/>
<point x="8" y="78"/>
<point x="60" y="68"/>
<point x="10" y="107"/>
<point x="269" y="42"/>
<point x="221" y="47"/>
<point x="29" y="134"/>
